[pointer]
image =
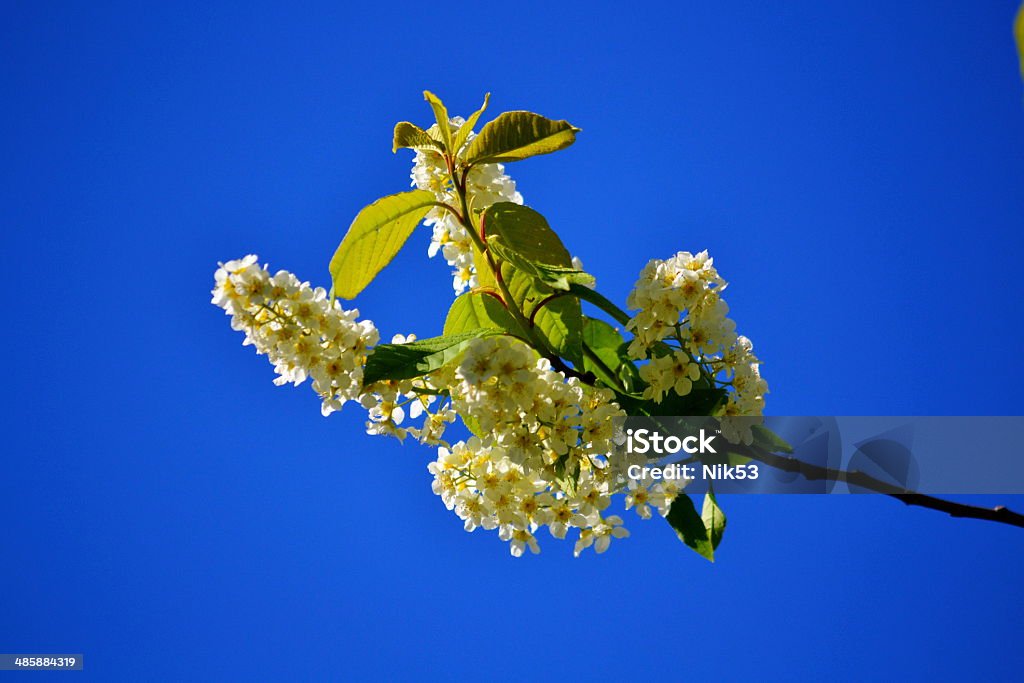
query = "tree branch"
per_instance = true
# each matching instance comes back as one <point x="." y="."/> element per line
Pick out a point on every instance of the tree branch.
<point x="1000" y="513"/>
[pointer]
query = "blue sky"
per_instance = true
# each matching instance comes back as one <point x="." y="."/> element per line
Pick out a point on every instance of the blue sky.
<point x="856" y="171"/>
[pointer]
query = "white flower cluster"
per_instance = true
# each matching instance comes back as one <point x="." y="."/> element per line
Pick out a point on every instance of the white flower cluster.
<point x="304" y="334"/>
<point x="544" y="461"/>
<point x="546" y="457"/>
<point x="486" y="185"/>
<point x="307" y="336"/>
<point x="682" y="327"/>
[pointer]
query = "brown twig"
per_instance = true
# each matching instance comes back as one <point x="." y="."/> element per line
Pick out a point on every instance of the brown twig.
<point x="1000" y="513"/>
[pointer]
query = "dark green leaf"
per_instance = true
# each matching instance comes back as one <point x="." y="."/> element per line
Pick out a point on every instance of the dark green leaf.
<point x="517" y="135"/>
<point x="375" y="236"/>
<point x="698" y="402"/>
<point x="605" y="342"/>
<point x="406" y="361"/>
<point x="597" y="299"/>
<point x="689" y="526"/>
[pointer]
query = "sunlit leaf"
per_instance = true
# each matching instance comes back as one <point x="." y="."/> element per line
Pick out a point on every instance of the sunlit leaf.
<point x="375" y="236"/>
<point x="517" y="135"/>
<point x="467" y="127"/>
<point x="441" y="116"/>
<point x="479" y="311"/>
<point x="714" y="520"/>
<point x="410" y="135"/>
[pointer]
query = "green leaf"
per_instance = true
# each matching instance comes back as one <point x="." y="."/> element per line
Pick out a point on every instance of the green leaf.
<point x="689" y="526"/>
<point x="410" y="135"/>
<point x="406" y="361"/>
<point x="467" y="127"/>
<point x="733" y="459"/>
<point x="484" y="274"/>
<point x="560" y="320"/>
<point x="607" y="344"/>
<point x="375" y="236"/>
<point x="714" y="520"/>
<point x="769" y="440"/>
<point x="567" y="474"/>
<point x="525" y="231"/>
<point x="479" y="311"/>
<point x="594" y="297"/>
<point x="472" y="424"/>
<point x="441" y="115"/>
<point x="604" y="340"/>
<point x="556" y="277"/>
<point x="561" y="323"/>
<point x="700" y="401"/>
<point x="517" y="135"/>
<point x="522" y="237"/>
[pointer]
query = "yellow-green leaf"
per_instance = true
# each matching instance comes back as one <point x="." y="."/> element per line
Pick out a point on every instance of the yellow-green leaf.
<point x="467" y="127"/>
<point x="769" y="440"/>
<point x="526" y="232"/>
<point x="472" y="424"/>
<point x="556" y="277"/>
<point x="484" y="275"/>
<point x="410" y="135"/>
<point x="479" y="310"/>
<point x="517" y="135"/>
<point x="560" y="320"/>
<point x="375" y="236"/>
<point x="441" y="115"/>
<point x="714" y="519"/>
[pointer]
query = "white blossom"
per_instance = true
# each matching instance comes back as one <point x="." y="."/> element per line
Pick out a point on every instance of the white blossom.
<point x="301" y="331"/>
<point x="600" y="535"/>
<point x="538" y="424"/>
<point x="486" y="184"/>
<point x="683" y="329"/>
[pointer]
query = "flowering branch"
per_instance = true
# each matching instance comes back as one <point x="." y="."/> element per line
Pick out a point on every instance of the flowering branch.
<point x="537" y="384"/>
